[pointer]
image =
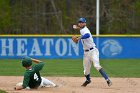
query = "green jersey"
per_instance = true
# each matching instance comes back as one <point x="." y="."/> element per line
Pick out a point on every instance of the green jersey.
<point x="32" y="76"/>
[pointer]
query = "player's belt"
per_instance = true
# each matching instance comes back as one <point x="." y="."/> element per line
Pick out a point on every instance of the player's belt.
<point x="89" y="49"/>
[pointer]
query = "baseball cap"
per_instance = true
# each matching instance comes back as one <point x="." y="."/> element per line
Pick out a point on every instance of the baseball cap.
<point x="82" y="20"/>
<point x="26" y="61"/>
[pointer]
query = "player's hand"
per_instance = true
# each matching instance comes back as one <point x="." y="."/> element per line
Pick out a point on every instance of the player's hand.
<point x="76" y="27"/>
<point x="18" y="87"/>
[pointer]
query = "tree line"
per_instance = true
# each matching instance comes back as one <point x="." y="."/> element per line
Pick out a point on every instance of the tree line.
<point x="58" y="16"/>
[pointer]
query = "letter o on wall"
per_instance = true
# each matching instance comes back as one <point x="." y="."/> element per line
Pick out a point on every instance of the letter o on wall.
<point x="58" y="47"/>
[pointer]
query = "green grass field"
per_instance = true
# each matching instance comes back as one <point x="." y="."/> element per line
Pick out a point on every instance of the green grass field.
<point x="74" y="67"/>
<point x="2" y="91"/>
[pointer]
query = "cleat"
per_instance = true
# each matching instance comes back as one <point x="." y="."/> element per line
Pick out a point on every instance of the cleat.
<point x="109" y="83"/>
<point x="86" y="83"/>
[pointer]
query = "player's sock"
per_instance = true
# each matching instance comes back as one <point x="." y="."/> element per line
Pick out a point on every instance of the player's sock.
<point x="102" y="72"/>
<point x="88" y="77"/>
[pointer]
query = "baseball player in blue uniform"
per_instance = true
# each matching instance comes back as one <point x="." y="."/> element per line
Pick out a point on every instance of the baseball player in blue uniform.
<point x="91" y="53"/>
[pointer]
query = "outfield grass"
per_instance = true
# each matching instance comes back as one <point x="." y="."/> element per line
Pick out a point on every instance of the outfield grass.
<point x="74" y="67"/>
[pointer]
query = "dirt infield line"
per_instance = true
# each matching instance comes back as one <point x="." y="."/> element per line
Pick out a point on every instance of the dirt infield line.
<point x="73" y="85"/>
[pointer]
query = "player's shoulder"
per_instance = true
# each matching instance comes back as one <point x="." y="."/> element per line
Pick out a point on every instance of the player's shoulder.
<point x="40" y="63"/>
<point x="86" y="29"/>
<point x="38" y="66"/>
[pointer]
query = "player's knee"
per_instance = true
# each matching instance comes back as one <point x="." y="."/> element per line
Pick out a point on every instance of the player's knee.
<point x="98" y="67"/>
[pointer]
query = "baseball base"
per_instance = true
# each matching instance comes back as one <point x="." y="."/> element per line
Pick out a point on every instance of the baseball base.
<point x="19" y="84"/>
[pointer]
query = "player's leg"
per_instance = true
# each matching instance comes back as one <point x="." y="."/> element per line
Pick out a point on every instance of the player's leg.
<point x="87" y="66"/>
<point x="47" y="83"/>
<point x="102" y="72"/>
<point x="95" y="55"/>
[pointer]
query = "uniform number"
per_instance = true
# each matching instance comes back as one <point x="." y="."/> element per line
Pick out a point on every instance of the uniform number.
<point x="36" y="77"/>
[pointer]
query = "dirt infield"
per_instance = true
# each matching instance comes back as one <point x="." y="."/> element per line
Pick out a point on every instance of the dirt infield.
<point x="72" y="85"/>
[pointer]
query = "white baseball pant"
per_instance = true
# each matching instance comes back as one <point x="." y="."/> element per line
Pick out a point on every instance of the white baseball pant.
<point x="44" y="83"/>
<point x="91" y="57"/>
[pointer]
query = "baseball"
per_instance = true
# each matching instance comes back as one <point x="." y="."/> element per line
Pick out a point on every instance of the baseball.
<point x="74" y="26"/>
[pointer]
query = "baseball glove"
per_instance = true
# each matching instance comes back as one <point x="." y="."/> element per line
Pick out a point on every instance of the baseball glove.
<point x="75" y="39"/>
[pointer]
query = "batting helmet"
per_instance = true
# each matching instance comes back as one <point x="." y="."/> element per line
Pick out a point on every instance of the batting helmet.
<point x="82" y="20"/>
<point x="26" y="61"/>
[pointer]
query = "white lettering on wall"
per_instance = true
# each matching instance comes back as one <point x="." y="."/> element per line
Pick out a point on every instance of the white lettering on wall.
<point x="61" y="51"/>
<point x="48" y="43"/>
<point x="7" y="47"/>
<point x="22" y="45"/>
<point x="35" y="49"/>
<point x="43" y="47"/>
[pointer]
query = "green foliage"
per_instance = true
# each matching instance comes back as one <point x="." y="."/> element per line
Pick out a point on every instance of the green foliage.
<point x="74" y="67"/>
<point x="5" y="19"/>
<point x="57" y="16"/>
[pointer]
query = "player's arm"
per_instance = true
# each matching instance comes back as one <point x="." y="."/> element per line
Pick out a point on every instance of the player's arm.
<point x="35" y="60"/>
<point x="39" y="65"/>
<point x="85" y="36"/>
<point x="21" y="87"/>
<point x="25" y="83"/>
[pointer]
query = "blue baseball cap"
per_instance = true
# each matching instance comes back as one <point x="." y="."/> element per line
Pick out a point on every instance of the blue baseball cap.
<point x="82" y="20"/>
